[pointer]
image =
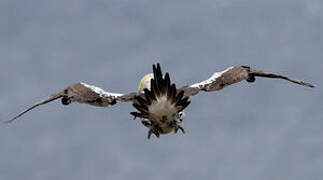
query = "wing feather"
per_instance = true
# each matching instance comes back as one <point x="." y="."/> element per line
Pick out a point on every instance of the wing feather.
<point x="51" y="98"/>
<point x="232" y="75"/>
<point x="82" y="93"/>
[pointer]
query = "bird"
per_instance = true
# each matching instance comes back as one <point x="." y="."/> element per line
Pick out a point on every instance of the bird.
<point x="158" y="102"/>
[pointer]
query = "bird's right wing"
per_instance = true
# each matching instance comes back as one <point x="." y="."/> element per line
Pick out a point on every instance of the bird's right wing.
<point x="232" y="75"/>
<point x="82" y="93"/>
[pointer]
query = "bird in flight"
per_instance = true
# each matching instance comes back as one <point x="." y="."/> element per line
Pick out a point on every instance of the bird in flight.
<point x="158" y="103"/>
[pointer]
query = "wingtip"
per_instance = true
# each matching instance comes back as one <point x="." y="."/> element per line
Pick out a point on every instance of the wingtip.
<point x="308" y="84"/>
<point x="8" y="121"/>
<point x="311" y="86"/>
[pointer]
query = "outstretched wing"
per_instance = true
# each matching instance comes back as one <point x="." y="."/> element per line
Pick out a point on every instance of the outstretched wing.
<point x="83" y="93"/>
<point x="232" y="75"/>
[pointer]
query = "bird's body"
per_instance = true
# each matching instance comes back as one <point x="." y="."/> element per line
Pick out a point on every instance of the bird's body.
<point x="160" y="111"/>
<point x="163" y="113"/>
<point x="158" y="102"/>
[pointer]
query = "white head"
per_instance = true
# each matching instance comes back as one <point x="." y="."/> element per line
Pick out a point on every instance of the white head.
<point x="145" y="82"/>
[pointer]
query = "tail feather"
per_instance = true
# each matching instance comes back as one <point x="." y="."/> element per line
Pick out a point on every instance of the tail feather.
<point x="159" y="87"/>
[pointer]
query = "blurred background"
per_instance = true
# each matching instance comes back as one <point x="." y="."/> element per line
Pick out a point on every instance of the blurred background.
<point x="267" y="130"/>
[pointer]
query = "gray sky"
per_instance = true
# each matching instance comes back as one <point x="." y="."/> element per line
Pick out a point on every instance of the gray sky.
<point x="266" y="130"/>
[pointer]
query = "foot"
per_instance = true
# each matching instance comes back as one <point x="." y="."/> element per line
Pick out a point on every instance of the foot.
<point x="179" y="127"/>
<point x="153" y="131"/>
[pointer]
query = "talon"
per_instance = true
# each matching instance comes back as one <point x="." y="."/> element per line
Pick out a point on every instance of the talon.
<point x="157" y="135"/>
<point x="149" y="133"/>
<point x="177" y="127"/>
<point x="182" y="129"/>
<point x="176" y="130"/>
<point x="153" y="130"/>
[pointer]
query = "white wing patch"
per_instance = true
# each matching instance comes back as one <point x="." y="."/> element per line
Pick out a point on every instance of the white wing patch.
<point x="211" y="79"/>
<point x="100" y="91"/>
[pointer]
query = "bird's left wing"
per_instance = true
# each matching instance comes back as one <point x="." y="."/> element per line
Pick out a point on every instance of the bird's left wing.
<point x="232" y="75"/>
<point x="83" y="93"/>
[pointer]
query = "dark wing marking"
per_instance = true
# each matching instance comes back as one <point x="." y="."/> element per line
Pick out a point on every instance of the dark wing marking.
<point x="161" y="87"/>
<point x="83" y="93"/>
<point x="232" y="75"/>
